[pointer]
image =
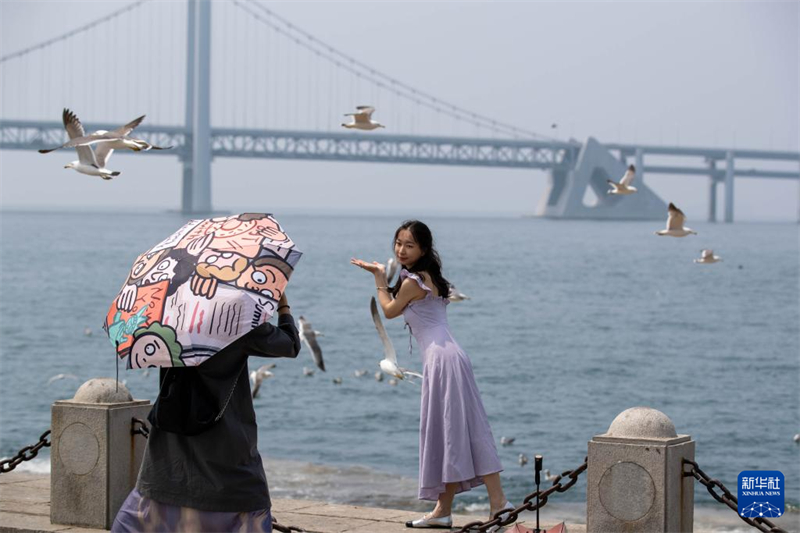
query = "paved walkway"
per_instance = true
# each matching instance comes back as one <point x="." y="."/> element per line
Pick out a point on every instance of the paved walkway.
<point x="25" y="507"/>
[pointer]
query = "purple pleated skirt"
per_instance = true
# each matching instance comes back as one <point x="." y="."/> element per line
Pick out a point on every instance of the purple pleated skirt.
<point x="141" y="514"/>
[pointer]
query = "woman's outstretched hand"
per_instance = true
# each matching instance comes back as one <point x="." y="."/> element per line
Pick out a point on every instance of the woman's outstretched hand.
<point x="374" y="267"/>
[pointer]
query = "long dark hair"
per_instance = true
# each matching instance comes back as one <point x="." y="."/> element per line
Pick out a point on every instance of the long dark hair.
<point x="429" y="262"/>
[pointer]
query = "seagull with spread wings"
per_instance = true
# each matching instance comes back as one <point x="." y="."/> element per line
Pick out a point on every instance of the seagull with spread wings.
<point x="88" y="162"/>
<point x="61" y="376"/>
<point x="118" y="139"/>
<point x="363" y="119"/>
<point x="309" y="337"/>
<point x="707" y="257"/>
<point x="675" y="227"/>
<point x="389" y="362"/>
<point x="391" y="269"/>
<point x="257" y="376"/>
<point x="624" y="185"/>
<point x="454" y="295"/>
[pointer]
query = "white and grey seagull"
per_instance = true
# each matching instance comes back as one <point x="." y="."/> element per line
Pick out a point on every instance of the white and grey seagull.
<point x="389" y="362"/>
<point x="363" y="119"/>
<point x="391" y="269"/>
<point x="675" y="222"/>
<point x="707" y="257"/>
<point x="257" y="376"/>
<point x="454" y="295"/>
<point x="88" y="162"/>
<point x="624" y="185"/>
<point x="118" y="139"/>
<point x="61" y="376"/>
<point x="309" y="337"/>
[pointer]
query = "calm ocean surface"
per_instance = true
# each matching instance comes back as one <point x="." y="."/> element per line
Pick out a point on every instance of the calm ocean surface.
<point x="570" y="323"/>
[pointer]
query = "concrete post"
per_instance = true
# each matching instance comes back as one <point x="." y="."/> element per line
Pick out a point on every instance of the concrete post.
<point x="639" y="165"/>
<point x="95" y="460"/>
<point x="729" y="187"/>
<point x="635" y="476"/>
<point x="712" y="191"/>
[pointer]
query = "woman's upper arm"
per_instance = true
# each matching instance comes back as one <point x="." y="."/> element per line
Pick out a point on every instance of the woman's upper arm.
<point x="409" y="291"/>
<point x="271" y="341"/>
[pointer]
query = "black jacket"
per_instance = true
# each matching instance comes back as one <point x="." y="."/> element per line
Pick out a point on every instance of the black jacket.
<point x="219" y="469"/>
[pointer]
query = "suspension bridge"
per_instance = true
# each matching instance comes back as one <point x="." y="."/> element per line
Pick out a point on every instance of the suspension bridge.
<point x="308" y="84"/>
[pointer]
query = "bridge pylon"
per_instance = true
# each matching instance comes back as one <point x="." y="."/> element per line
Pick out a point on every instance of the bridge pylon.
<point x="595" y="165"/>
<point x="196" y="197"/>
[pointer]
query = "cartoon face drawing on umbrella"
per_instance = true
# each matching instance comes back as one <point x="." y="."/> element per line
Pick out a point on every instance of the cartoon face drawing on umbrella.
<point x="200" y="289"/>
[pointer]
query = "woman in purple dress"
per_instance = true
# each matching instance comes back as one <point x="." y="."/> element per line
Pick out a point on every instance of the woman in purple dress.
<point x="456" y="446"/>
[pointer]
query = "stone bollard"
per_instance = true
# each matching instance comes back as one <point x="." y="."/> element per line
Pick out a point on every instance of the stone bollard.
<point x="95" y="459"/>
<point x="635" y="476"/>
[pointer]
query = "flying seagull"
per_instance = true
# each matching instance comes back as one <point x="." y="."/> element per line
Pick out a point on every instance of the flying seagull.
<point x="456" y="296"/>
<point x="61" y="376"/>
<point x="507" y="441"/>
<point x="389" y="362"/>
<point x="118" y="139"/>
<point x="363" y="119"/>
<point x="257" y="376"/>
<point x="309" y="337"/>
<point x="88" y="162"/>
<point x="391" y="269"/>
<point x="675" y="226"/>
<point x="523" y="459"/>
<point x="624" y="185"/>
<point x="707" y="257"/>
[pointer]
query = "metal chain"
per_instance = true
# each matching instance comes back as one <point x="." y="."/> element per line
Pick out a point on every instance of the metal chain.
<point x="142" y="430"/>
<point x="762" y="524"/>
<point x="504" y="518"/>
<point x="285" y="529"/>
<point x="25" y="454"/>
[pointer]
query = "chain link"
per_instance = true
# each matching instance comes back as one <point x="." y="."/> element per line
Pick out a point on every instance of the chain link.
<point x="501" y="518"/>
<point x="25" y="454"/>
<point x="762" y="524"/>
<point x="504" y="518"/>
<point x="142" y="430"/>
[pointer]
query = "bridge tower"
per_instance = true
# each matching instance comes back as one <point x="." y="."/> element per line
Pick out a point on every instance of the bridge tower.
<point x="594" y="165"/>
<point x="196" y="196"/>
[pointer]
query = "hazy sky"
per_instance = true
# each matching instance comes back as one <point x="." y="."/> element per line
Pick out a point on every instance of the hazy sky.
<point x="721" y="74"/>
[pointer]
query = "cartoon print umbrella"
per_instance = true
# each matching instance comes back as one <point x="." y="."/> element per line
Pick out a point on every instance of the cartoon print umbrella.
<point x="200" y="289"/>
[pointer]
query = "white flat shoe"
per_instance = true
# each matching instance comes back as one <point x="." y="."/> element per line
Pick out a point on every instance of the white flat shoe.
<point x="507" y="507"/>
<point x="442" y="522"/>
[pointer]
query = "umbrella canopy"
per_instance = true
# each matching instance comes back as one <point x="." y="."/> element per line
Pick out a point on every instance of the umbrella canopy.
<point x="200" y="289"/>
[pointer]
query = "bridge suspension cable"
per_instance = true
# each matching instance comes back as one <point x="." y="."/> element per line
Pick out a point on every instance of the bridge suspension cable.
<point x="72" y="33"/>
<point x="368" y="73"/>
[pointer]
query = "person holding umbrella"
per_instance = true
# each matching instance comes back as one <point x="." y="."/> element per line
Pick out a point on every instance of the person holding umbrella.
<point x="202" y="470"/>
<point x="456" y="445"/>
